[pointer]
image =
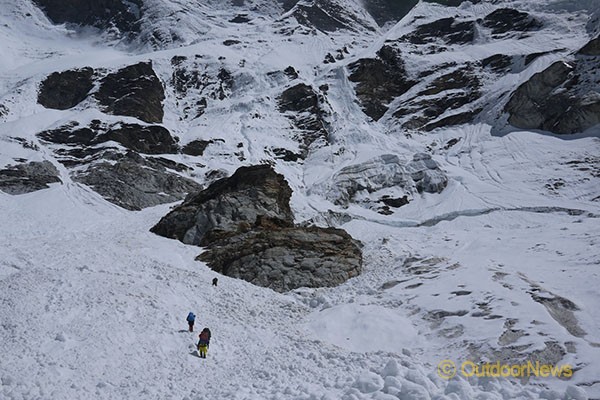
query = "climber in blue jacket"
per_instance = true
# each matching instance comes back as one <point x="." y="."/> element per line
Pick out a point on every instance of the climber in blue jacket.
<point x="191" y="318"/>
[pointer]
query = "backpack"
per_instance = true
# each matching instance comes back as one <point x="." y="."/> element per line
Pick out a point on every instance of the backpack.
<point x="191" y="317"/>
<point x="204" y="337"/>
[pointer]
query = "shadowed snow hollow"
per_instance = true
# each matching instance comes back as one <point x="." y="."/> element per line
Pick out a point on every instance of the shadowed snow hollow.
<point x="364" y="328"/>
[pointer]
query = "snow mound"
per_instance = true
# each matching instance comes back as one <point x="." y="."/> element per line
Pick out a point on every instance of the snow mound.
<point x="363" y="328"/>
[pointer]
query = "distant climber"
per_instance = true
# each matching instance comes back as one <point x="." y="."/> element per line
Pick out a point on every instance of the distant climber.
<point x="203" y="342"/>
<point x="191" y="318"/>
<point x="215" y="280"/>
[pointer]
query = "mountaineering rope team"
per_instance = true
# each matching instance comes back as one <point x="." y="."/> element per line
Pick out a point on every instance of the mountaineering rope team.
<point x="204" y="337"/>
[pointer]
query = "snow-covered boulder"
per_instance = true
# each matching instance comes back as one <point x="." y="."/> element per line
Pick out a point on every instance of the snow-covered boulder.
<point x="385" y="171"/>
<point x="369" y="382"/>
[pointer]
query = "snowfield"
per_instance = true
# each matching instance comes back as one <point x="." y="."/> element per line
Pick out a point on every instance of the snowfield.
<point x="94" y="305"/>
<point x="503" y="265"/>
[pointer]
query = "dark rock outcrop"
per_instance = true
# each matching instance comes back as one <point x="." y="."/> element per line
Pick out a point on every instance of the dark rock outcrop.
<point x="459" y="118"/>
<point x="505" y="20"/>
<point x="459" y="79"/>
<point x="499" y="63"/>
<point x="196" y="147"/>
<point x="134" y="182"/>
<point x="247" y="224"/>
<point x="287" y="258"/>
<point x="149" y="139"/>
<point x="63" y="90"/>
<point x="133" y="91"/>
<point x="306" y="110"/>
<point x="287" y="4"/>
<point x="450" y="91"/>
<point x="445" y="30"/>
<point x="384" y="11"/>
<point x="250" y="192"/>
<point x="564" y="98"/>
<point x="240" y="19"/>
<point x="452" y="3"/>
<point x="196" y="82"/>
<point x="328" y="16"/>
<point x="299" y="98"/>
<point x="291" y="72"/>
<point x="124" y="15"/>
<point x="285" y="154"/>
<point x="526" y="108"/>
<point x="231" y="42"/>
<point x="28" y="177"/>
<point x="592" y="48"/>
<point x="379" y="80"/>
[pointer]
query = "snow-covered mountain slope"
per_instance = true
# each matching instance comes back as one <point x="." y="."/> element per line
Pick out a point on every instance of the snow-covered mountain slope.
<point x="479" y="238"/>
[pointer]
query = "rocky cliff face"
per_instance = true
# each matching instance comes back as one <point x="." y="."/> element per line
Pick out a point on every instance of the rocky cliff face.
<point x="384" y="11"/>
<point x="133" y="91"/>
<point x="123" y="15"/>
<point x="424" y="76"/>
<point x="379" y="81"/>
<point x="112" y="157"/>
<point x="135" y="182"/>
<point x="457" y="92"/>
<point x="196" y="83"/>
<point x="28" y="177"/>
<point x="306" y="110"/>
<point x="247" y="225"/>
<point x="64" y="90"/>
<point x="332" y="15"/>
<point x="148" y="139"/>
<point x="564" y="98"/>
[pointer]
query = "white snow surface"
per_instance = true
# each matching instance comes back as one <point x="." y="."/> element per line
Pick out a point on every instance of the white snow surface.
<point x="93" y="305"/>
